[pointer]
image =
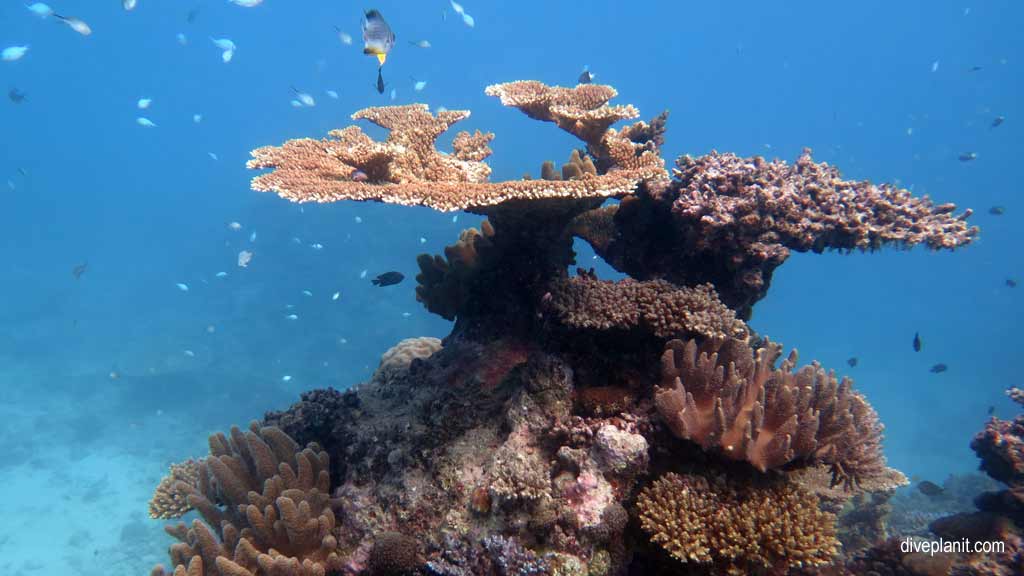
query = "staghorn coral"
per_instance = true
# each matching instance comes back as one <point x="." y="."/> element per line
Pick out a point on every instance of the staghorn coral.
<point x="268" y="504"/>
<point x="723" y="395"/>
<point x="397" y="359"/>
<point x="169" y="501"/>
<point x="655" y="307"/>
<point x="737" y="527"/>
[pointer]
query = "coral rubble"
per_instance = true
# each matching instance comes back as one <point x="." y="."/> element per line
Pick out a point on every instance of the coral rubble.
<point x="570" y="425"/>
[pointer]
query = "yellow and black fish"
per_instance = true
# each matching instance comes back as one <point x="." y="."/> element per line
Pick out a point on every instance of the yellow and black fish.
<point x="378" y="39"/>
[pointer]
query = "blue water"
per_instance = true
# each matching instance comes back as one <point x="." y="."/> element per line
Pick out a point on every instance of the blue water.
<point x="102" y="361"/>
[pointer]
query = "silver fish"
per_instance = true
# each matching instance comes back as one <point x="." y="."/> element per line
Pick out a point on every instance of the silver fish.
<point x="378" y="39"/>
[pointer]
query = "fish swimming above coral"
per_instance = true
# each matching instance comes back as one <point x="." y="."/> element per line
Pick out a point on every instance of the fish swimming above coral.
<point x="378" y="39"/>
<point x="388" y="279"/>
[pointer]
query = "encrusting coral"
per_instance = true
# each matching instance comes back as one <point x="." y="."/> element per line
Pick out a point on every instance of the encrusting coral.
<point x="520" y="445"/>
<point x="739" y="528"/>
<point x="725" y="396"/>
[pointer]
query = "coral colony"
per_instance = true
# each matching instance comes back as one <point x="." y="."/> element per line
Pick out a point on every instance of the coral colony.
<point x="570" y="425"/>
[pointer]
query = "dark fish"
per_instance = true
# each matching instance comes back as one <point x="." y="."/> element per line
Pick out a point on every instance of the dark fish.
<point x="998" y="120"/>
<point x="997" y="210"/>
<point x="378" y="39"/>
<point x="852" y="362"/>
<point x="1011" y="282"/>
<point x="388" y="279"/>
<point x="991" y="410"/>
<point x="917" y="342"/>
<point x="16" y="96"/>
<point x="938" y="368"/>
<point x="930" y="489"/>
<point x="77" y="271"/>
<point x="380" y="82"/>
<point x="192" y="15"/>
<point x="975" y="69"/>
<point x="968" y="156"/>
<point x="585" y="77"/>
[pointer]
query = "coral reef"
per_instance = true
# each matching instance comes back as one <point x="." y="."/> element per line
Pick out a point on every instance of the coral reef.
<point x="737" y="527"/>
<point x="170" y="501"/>
<point x="520" y="446"/>
<point x="726" y="396"/>
<point x="266" y="509"/>
<point x="732" y="221"/>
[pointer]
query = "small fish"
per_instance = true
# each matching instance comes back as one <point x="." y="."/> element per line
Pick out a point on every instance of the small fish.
<point x="938" y="368"/>
<point x="304" y="98"/>
<point x="457" y="7"/>
<point x="210" y="328"/>
<point x="12" y="53"/>
<point x="286" y="378"/>
<point x="190" y="354"/>
<point x="455" y="218"/>
<point x="295" y="103"/>
<point x="221" y="274"/>
<point x="388" y="279"/>
<point x="468" y="20"/>
<point x="935" y="66"/>
<point x="1011" y="282"/>
<point x="852" y="362"/>
<point x="197" y="118"/>
<point x="419" y="85"/>
<point x="80" y="269"/>
<point x="182" y="286"/>
<point x="307" y="293"/>
<point x="316" y="246"/>
<point x="394" y="94"/>
<point x="420" y="43"/>
<point x="997" y="210"/>
<point x="227" y="46"/>
<point x="292" y="317"/>
<point x="212" y="156"/>
<point x="143" y="103"/>
<point x="182" y="39"/>
<point x="406" y="314"/>
<point x="917" y="342"/>
<point x="975" y="69"/>
<point x="296" y="240"/>
<point x="378" y="39"/>
<point x="344" y="37"/>
<point x="129" y="5"/>
<point x="336" y="295"/>
<point x="16" y="96"/>
<point x="40" y="9"/>
<point x="586" y="77"/>
<point x="380" y="82"/>
<point x="362" y="274"/>
<point x="246" y="3"/>
<point x="332" y="94"/>
<point x="991" y="410"/>
<point x="192" y="15"/>
<point x="244" y="258"/>
<point x="968" y="156"/>
<point x="997" y="121"/>
<point x="252" y="237"/>
<point x="236" y="226"/>
<point x="930" y="489"/>
<point x="423" y="240"/>
<point x="145" y="122"/>
<point x="76" y="24"/>
<point x="359" y="219"/>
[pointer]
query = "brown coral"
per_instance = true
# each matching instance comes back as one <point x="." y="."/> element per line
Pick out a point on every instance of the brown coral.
<point x="655" y="307"/>
<point x="738" y="528"/>
<point x="399" y="357"/>
<point x="169" y="500"/>
<point x="722" y="395"/>
<point x="268" y="504"/>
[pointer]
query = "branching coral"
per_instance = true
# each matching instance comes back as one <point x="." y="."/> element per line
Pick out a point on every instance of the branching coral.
<point x="268" y="504"/>
<point x="737" y="527"/>
<point x="731" y="221"/>
<point x="170" y="500"/>
<point x="722" y="395"/>
<point x="655" y="307"/>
